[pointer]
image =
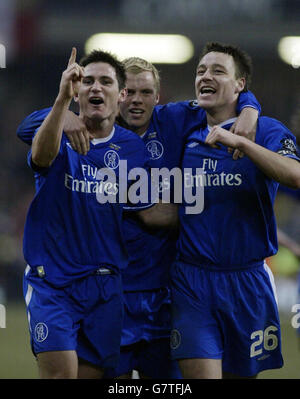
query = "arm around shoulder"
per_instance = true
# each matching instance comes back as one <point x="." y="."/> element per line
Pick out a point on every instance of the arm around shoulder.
<point x="30" y="124"/>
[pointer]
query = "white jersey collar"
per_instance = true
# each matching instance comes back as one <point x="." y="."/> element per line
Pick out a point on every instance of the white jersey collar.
<point x="231" y="120"/>
<point x="103" y="139"/>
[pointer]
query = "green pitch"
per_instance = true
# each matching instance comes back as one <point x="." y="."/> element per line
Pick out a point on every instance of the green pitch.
<point x="17" y="361"/>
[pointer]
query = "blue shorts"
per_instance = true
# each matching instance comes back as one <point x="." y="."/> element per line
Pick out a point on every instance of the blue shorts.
<point x="146" y="336"/>
<point x="228" y="315"/>
<point x="85" y="316"/>
<point x="150" y="359"/>
<point x="147" y="315"/>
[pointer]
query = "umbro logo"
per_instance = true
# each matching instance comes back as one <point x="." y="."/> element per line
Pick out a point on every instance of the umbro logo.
<point x="193" y="144"/>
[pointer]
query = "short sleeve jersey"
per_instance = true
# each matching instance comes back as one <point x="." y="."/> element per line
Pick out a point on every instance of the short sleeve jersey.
<point x="74" y="223"/>
<point x="233" y="225"/>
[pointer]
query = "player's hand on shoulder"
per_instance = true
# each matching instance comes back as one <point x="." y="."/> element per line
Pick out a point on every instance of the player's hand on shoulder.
<point x="77" y="133"/>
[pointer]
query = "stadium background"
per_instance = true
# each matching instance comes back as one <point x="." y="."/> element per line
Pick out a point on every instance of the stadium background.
<point x="38" y="36"/>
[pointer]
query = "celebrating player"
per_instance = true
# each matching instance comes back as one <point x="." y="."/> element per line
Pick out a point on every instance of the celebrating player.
<point x="225" y="316"/>
<point x="163" y="128"/>
<point x="73" y="241"/>
<point x="146" y="330"/>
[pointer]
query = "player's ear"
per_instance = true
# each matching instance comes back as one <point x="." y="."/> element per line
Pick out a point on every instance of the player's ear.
<point x="240" y="84"/>
<point x="122" y="95"/>
<point x="157" y="98"/>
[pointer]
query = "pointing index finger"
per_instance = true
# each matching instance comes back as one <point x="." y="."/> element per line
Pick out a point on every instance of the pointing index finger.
<point x="72" y="58"/>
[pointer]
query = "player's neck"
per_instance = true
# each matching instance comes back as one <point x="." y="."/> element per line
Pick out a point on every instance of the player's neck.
<point x="141" y="131"/>
<point x="99" y="128"/>
<point x="217" y="117"/>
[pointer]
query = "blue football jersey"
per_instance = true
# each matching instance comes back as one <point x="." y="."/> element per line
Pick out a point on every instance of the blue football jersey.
<point x="235" y="225"/>
<point x="152" y="252"/>
<point x="74" y="223"/>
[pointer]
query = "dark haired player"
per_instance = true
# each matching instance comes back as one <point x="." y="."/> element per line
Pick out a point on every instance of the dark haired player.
<point x="225" y="316"/>
<point x="73" y="241"/>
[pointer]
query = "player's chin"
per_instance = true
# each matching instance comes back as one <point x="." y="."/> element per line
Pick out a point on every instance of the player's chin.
<point x="136" y="122"/>
<point x="97" y="116"/>
<point x="206" y="104"/>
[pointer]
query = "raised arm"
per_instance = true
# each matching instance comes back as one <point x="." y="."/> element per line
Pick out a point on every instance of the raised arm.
<point x="46" y="143"/>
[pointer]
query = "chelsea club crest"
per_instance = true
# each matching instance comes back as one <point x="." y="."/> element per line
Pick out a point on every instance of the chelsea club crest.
<point x="111" y="159"/>
<point x="155" y="148"/>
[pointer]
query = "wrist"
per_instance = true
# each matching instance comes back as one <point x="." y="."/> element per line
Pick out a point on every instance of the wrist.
<point x="242" y="143"/>
<point x="62" y="101"/>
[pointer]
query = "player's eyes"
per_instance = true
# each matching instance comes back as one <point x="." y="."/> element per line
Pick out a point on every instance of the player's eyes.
<point x="219" y="71"/>
<point x="87" y="81"/>
<point x="106" y="82"/>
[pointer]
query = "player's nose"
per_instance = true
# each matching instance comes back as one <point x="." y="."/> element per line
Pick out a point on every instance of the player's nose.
<point x="206" y="75"/>
<point x="137" y="98"/>
<point x="97" y="86"/>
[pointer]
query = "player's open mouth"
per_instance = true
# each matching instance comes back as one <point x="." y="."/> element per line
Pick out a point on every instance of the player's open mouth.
<point x="136" y="111"/>
<point x="96" y="100"/>
<point x="207" y="90"/>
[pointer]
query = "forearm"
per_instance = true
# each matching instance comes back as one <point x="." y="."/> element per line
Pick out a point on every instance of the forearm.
<point x="245" y="124"/>
<point x="284" y="170"/>
<point x="161" y="215"/>
<point x="46" y="143"/>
